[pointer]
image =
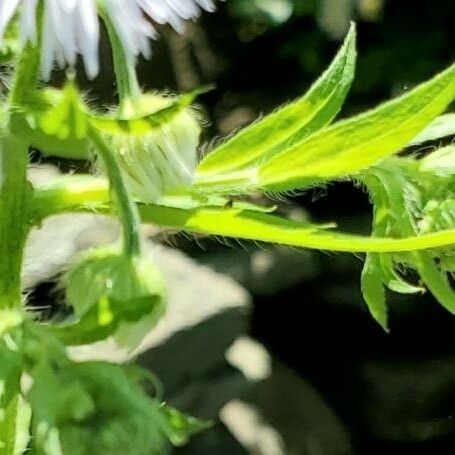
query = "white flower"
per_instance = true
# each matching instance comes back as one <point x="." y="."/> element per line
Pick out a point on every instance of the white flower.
<point x="70" y="27"/>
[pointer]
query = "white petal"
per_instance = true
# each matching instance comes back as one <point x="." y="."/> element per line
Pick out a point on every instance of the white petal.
<point x="28" y="21"/>
<point x="71" y="28"/>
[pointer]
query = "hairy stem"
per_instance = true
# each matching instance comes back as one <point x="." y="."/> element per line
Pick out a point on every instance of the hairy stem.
<point x="125" y="73"/>
<point x="91" y="195"/>
<point x="14" y="219"/>
<point x="15" y="191"/>
<point x="126" y="207"/>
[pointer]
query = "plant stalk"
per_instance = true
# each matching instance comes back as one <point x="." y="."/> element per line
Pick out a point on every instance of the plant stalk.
<point x="127" y="209"/>
<point x="125" y="73"/>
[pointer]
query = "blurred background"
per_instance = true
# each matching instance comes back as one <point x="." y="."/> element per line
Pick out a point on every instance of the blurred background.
<point x="288" y="357"/>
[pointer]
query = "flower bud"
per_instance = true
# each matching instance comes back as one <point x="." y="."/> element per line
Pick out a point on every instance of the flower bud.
<point x="162" y="160"/>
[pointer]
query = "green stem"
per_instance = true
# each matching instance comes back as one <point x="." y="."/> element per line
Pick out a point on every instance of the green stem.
<point x="26" y="75"/>
<point x="91" y="196"/>
<point x="14" y="429"/>
<point x="125" y="73"/>
<point x="14" y="218"/>
<point x="15" y="193"/>
<point x="127" y="209"/>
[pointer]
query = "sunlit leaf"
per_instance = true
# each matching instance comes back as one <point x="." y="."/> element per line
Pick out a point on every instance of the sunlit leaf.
<point x="290" y="124"/>
<point x="399" y="202"/>
<point x="354" y="144"/>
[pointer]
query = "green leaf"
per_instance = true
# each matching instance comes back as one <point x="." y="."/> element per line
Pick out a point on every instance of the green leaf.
<point x="10" y="373"/>
<point x="290" y="124"/>
<point x="111" y="294"/>
<point x="179" y="427"/>
<point x="91" y="407"/>
<point x="440" y="162"/>
<point x="54" y="122"/>
<point x="355" y="144"/>
<point x="399" y="201"/>
<point x="152" y="120"/>
<point x="373" y="290"/>
<point x="66" y="120"/>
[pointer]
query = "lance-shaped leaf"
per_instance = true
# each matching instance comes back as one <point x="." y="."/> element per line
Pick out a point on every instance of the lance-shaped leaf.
<point x="179" y="427"/>
<point x="373" y="289"/>
<point x="291" y="123"/>
<point x="153" y="118"/>
<point x="354" y="144"/>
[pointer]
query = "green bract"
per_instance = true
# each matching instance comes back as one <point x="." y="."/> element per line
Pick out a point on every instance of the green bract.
<point x="156" y="159"/>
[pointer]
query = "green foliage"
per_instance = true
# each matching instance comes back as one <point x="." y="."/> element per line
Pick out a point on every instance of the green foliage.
<point x="291" y="124"/>
<point x="87" y="407"/>
<point x="180" y="427"/>
<point x="112" y="294"/>
<point x="359" y="142"/>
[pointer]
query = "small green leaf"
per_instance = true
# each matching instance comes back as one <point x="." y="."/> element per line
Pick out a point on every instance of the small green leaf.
<point x="397" y="198"/>
<point x="54" y="122"/>
<point x="66" y="120"/>
<point x="440" y="162"/>
<point x="354" y="144"/>
<point x="290" y="124"/>
<point x="373" y="290"/>
<point x="180" y="427"/>
<point x="155" y="117"/>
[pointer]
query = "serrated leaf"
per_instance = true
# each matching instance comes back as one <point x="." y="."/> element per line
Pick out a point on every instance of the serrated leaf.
<point x="290" y="124"/>
<point x="147" y="123"/>
<point x="400" y="195"/>
<point x="355" y="144"/>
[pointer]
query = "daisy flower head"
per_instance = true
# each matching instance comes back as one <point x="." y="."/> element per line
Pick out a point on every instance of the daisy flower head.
<point x="71" y="27"/>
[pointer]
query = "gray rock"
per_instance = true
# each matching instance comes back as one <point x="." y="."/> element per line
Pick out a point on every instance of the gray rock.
<point x="267" y="270"/>
<point x="285" y="415"/>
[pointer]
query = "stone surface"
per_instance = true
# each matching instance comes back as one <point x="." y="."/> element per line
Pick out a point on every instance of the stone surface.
<point x="285" y="415"/>
<point x="264" y="270"/>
